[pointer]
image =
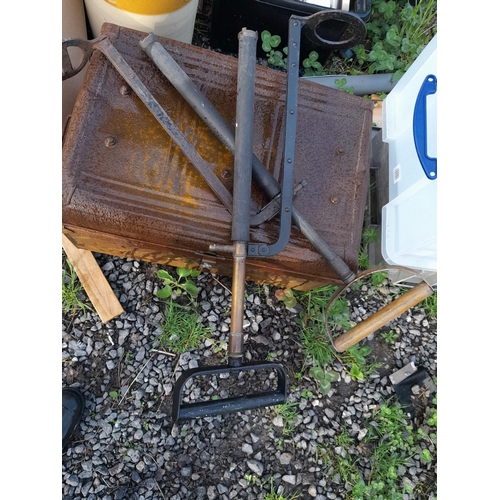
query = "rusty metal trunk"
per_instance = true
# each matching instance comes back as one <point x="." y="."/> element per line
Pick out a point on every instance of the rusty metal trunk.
<point x="129" y="191"/>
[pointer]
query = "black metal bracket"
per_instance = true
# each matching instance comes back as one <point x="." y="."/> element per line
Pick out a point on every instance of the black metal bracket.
<point x="292" y="90"/>
<point x="355" y="32"/>
<point x="228" y="405"/>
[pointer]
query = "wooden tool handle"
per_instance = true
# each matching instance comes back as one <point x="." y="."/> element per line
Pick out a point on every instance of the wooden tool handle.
<point x="382" y="317"/>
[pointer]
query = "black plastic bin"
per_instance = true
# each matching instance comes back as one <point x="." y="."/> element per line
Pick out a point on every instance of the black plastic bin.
<point x="229" y="16"/>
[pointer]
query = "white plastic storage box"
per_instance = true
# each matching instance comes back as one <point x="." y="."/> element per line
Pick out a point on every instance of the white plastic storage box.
<point x="409" y="220"/>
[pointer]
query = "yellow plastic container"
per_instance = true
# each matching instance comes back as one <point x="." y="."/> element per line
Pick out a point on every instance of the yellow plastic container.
<point x="172" y="19"/>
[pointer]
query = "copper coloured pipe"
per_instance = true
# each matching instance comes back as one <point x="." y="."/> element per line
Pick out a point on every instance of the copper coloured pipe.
<point x="240" y="219"/>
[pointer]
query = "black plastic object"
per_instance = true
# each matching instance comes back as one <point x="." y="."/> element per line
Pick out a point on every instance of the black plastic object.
<point x="73" y="405"/>
<point x="232" y="404"/>
<point x="229" y="16"/>
<point x="404" y="393"/>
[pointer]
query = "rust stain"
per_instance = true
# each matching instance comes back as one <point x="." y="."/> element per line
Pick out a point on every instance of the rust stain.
<point x="143" y="189"/>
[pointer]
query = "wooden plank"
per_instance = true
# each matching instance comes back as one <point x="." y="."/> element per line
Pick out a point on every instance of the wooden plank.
<point x="93" y="281"/>
<point x="222" y="264"/>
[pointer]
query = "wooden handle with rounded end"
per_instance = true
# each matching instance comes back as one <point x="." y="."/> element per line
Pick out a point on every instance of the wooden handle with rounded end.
<point x="382" y="317"/>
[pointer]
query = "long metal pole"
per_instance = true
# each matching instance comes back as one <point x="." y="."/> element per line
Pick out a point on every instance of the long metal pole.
<point x="242" y="180"/>
<point x="209" y="114"/>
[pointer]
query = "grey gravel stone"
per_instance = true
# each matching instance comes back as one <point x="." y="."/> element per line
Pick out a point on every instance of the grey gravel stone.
<point x="246" y="448"/>
<point x="285" y="458"/>
<point x="256" y="467"/>
<point x="129" y="448"/>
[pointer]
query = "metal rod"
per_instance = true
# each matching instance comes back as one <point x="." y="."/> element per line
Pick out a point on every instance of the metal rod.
<point x="243" y="142"/>
<point x="242" y="180"/>
<point x="107" y="48"/>
<point x="213" y="119"/>
<point x="235" y="347"/>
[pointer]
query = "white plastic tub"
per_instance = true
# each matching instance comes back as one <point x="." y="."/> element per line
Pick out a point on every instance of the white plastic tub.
<point x="409" y="220"/>
<point x="173" y="19"/>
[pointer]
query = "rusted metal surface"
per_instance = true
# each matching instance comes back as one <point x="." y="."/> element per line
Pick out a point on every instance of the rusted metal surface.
<point x="128" y="190"/>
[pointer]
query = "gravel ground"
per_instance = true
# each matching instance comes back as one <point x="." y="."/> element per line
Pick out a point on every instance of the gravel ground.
<point x="127" y="446"/>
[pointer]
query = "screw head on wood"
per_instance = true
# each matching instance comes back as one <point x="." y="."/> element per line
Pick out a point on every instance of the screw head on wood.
<point x="125" y="90"/>
<point x="109" y="142"/>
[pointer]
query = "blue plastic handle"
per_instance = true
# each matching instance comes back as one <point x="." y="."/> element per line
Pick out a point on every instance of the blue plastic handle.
<point x="429" y="165"/>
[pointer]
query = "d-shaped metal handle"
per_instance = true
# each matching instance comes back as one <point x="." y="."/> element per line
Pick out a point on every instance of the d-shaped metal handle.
<point x="353" y="34"/>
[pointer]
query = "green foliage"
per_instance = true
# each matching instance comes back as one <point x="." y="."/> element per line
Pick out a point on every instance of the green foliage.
<point x="251" y="479"/>
<point x="277" y="59"/>
<point x="363" y="260"/>
<point x="392" y="441"/>
<point x="288" y="414"/>
<point x="369" y="235"/>
<point x="345" y="465"/>
<point x="426" y="455"/>
<point x="356" y="358"/>
<point x="316" y="344"/>
<point x="287" y="296"/>
<point x="390" y="336"/>
<point x="430" y="305"/>
<point x="313" y="336"/>
<point x="340" y="82"/>
<point x="378" y="278"/>
<point x="274" y="495"/>
<point x="181" y="329"/>
<point x="72" y="291"/>
<point x="311" y="318"/>
<point x="113" y="395"/>
<point x="312" y="67"/>
<point x="324" y="377"/>
<point x="306" y="394"/>
<point x="179" y="285"/>
<point x="397" y="32"/>
<point x="314" y="303"/>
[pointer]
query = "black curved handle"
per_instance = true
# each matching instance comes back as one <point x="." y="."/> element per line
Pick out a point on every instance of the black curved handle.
<point x="228" y="405"/>
<point x="353" y="34"/>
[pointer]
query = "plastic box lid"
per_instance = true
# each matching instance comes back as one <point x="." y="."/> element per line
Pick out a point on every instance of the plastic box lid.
<point x="409" y="220"/>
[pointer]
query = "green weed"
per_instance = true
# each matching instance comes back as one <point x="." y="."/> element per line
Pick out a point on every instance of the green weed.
<point x="179" y="285"/>
<point x="277" y="58"/>
<point x="286" y="296"/>
<point x="369" y="235"/>
<point x="72" y="292"/>
<point x="181" y="329"/>
<point x="356" y="358"/>
<point x="314" y="303"/>
<point x="397" y="32"/>
<point x="344" y="466"/>
<point x="430" y="305"/>
<point x="251" y="479"/>
<point x="288" y="415"/>
<point x="274" y="495"/>
<point x="306" y="394"/>
<point x="316" y="344"/>
<point x="340" y="82"/>
<point x="324" y="377"/>
<point x="390" y="336"/>
<point x="392" y="441"/>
